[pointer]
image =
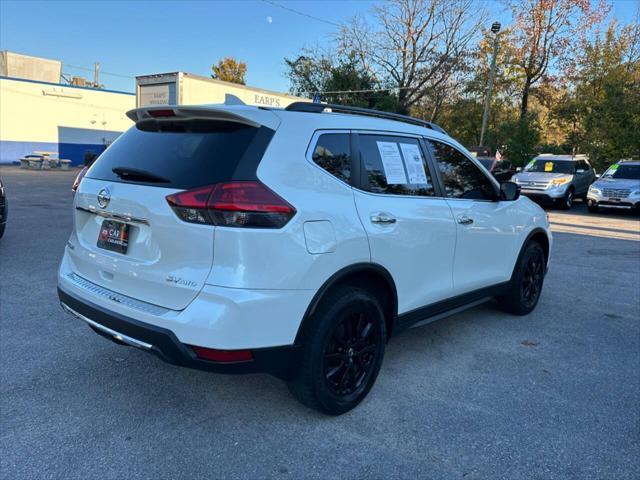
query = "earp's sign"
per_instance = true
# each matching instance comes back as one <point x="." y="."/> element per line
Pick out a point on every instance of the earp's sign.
<point x="266" y="100"/>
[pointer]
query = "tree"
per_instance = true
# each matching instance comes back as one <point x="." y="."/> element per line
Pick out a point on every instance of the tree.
<point x="521" y="137"/>
<point x="338" y="79"/>
<point x="543" y="31"/>
<point x="416" y="46"/>
<point x="603" y="105"/>
<point x="229" y="70"/>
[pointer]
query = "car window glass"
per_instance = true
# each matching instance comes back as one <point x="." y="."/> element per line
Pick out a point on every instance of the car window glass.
<point x="395" y="165"/>
<point x="550" y="166"/>
<point x="461" y="177"/>
<point x="333" y="153"/>
<point x="184" y="154"/>
<point x="625" y="171"/>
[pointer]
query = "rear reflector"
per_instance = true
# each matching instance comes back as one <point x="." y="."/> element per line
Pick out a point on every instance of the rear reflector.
<point x="222" y="356"/>
<point x="232" y="204"/>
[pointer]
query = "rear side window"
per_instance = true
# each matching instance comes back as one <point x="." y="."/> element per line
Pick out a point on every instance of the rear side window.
<point x="185" y="156"/>
<point x="394" y="165"/>
<point x="333" y="153"/>
<point x="461" y="177"/>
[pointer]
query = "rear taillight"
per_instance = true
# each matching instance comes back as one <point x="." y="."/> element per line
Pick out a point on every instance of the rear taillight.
<point x="79" y="177"/>
<point x="232" y="204"/>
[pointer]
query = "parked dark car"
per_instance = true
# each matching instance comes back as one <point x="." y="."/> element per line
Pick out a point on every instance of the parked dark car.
<point x="3" y="209"/>
<point x="502" y="170"/>
<point x="89" y="158"/>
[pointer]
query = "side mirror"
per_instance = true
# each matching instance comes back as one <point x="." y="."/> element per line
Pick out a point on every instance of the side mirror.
<point x="580" y="170"/>
<point x="518" y="169"/>
<point x="509" y="191"/>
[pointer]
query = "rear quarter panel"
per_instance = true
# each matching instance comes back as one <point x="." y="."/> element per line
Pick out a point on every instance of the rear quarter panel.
<point x="280" y="258"/>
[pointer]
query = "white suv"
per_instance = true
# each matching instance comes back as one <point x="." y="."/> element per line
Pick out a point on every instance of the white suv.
<point x="295" y="242"/>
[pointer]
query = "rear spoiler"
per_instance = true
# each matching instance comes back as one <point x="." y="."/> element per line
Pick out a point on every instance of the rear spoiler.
<point x="251" y="116"/>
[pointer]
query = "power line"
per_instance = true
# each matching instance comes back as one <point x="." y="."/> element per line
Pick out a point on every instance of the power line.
<point x="368" y="90"/>
<point x="297" y="12"/>
<point x="101" y="72"/>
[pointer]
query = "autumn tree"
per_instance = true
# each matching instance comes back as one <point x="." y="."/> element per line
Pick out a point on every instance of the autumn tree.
<point x="544" y="31"/>
<point x="413" y="46"/>
<point x="229" y="70"/>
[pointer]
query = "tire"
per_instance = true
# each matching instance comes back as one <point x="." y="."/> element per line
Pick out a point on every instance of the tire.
<point x="526" y="283"/>
<point x="342" y="351"/>
<point x="592" y="207"/>
<point x="2" y="227"/>
<point x="567" y="201"/>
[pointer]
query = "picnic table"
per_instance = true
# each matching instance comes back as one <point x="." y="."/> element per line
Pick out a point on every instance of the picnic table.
<point x="47" y="161"/>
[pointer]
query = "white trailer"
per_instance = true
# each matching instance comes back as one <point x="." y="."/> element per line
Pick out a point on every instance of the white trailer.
<point x="180" y="88"/>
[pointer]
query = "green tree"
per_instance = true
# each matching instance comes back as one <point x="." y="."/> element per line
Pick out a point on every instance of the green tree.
<point x="520" y="138"/>
<point x="603" y="105"/>
<point x="338" y="80"/>
<point x="229" y="70"/>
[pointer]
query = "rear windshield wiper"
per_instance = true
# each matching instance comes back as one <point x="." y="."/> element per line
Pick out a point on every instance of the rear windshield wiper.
<point x="134" y="174"/>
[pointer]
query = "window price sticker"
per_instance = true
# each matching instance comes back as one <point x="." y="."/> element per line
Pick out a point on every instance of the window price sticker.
<point x="392" y="163"/>
<point x="414" y="163"/>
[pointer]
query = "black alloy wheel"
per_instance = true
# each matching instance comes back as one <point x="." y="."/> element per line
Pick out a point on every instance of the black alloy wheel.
<point x="341" y="351"/>
<point x="524" y="289"/>
<point x="350" y="354"/>
<point x="532" y="279"/>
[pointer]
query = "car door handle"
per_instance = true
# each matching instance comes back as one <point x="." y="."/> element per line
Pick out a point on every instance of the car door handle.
<point x="383" y="218"/>
<point x="464" y="220"/>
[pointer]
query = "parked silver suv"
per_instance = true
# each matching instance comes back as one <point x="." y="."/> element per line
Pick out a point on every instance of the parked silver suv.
<point x="619" y="187"/>
<point x="556" y="179"/>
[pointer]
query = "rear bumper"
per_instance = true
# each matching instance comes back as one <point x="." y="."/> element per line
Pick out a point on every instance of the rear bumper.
<point x="164" y="344"/>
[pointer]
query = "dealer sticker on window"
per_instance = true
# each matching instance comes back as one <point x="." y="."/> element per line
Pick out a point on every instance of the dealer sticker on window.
<point x="392" y="163"/>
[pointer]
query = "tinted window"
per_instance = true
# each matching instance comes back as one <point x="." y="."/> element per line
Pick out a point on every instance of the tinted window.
<point x="188" y="156"/>
<point x="333" y="153"/>
<point x="394" y="165"/>
<point x="461" y="177"/>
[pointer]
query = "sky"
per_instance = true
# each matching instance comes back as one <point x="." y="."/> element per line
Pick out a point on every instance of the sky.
<point x="132" y="38"/>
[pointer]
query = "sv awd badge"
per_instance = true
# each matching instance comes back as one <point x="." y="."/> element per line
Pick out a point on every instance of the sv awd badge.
<point x="181" y="281"/>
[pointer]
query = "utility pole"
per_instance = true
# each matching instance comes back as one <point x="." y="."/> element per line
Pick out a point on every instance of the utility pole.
<point x="495" y="28"/>
<point x="96" y="74"/>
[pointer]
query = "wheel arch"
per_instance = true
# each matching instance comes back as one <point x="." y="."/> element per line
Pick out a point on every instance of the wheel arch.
<point x="369" y="276"/>
<point x="538" y="235"/>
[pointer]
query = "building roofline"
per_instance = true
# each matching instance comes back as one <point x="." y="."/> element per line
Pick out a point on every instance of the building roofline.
<point x="28" y="80"/>
<point x="222" y="82"/>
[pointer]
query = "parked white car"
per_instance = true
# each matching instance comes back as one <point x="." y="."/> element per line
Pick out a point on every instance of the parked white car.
<point x="294" y="242"/>
<point x="618" y="187"/>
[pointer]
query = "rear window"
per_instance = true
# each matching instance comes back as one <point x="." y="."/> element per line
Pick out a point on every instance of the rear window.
<point x="184" y="157"/>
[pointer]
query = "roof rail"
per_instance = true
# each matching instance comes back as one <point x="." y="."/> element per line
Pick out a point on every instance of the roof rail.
<point x="321" y="107"/>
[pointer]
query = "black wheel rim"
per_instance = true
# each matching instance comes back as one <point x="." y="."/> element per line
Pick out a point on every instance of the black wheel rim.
<point x="350" y="355"/>
<point x="532" y="279"/>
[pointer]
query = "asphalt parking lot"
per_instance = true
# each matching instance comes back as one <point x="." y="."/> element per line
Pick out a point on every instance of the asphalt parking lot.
<point x="482" y="394"/>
